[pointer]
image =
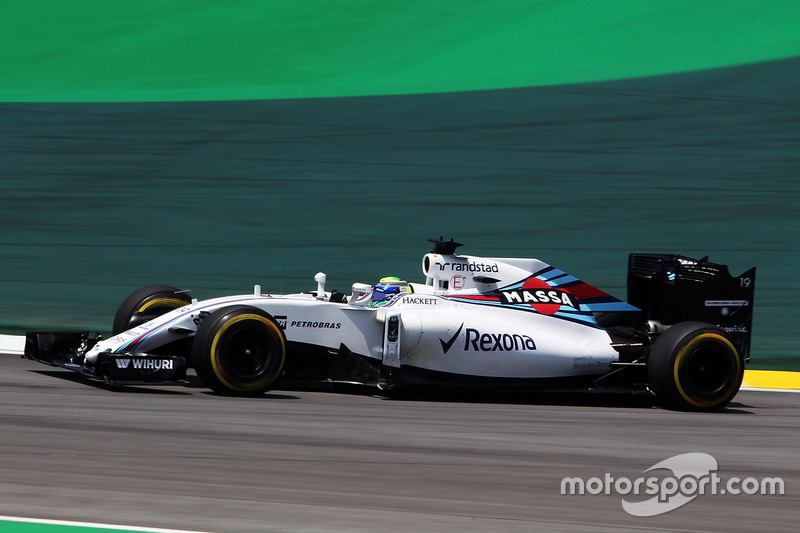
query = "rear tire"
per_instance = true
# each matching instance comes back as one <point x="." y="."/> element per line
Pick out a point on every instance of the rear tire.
<point x="239" y="351"/>
<point x="694" y="366"/>
<point x="146" y="304"/>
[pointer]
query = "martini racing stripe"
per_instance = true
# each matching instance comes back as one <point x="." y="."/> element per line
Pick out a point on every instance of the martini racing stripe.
<point x="553" y="292"/>
<point x="562" y="280"/>
<point x="549" y="274"/>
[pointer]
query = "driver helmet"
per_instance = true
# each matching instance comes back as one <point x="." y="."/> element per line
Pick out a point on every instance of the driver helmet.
<point x="386" y="289"/>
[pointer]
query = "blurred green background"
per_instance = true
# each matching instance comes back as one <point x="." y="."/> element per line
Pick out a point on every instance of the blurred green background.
<point x="215" y="145"/>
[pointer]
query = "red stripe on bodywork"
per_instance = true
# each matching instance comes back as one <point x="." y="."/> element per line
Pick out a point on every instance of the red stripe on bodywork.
<point x="586" y="291"/>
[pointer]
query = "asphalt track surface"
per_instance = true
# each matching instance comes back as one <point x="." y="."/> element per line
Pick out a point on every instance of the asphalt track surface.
<point x="181" y="457"/>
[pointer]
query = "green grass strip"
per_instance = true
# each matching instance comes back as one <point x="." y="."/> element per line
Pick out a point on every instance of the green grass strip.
<point x="172" y="50"/>
<point x="13" y="524"/>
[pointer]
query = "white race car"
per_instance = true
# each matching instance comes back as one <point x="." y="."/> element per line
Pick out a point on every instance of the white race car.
<point x="475" y="323"/>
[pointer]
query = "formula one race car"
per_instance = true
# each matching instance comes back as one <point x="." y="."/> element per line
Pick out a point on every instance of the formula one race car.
<point x="476" y="323"/>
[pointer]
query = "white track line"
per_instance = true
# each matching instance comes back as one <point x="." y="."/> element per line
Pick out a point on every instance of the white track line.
<point x="89" y="525"/>
<point x="12" y="344"/>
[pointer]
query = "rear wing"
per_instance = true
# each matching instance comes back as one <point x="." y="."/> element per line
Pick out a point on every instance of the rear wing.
<point x="675" y="288"/>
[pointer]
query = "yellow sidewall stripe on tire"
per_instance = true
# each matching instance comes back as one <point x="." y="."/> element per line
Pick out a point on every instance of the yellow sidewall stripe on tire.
<point x="771" y="379"/>
<point x="172" y="303"/>
<point x="217" y="372"/>
<point x="687" y="350"/>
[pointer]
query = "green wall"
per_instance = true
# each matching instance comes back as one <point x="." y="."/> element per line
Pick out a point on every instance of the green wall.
<point x="101" y="50"/>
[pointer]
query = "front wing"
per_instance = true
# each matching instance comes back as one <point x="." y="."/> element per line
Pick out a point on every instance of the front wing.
<point x="67" y="349"/>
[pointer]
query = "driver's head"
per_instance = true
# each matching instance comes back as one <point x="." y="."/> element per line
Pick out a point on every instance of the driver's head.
<point x="386" y="289"/>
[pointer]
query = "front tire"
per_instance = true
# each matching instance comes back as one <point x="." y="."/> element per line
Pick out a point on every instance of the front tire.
<point x="694" y="366"/>
<point x="239" y="351"/>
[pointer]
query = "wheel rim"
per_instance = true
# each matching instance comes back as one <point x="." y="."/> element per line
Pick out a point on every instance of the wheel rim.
<point x="708" y="370"/>
<point x="247" y="353"/>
